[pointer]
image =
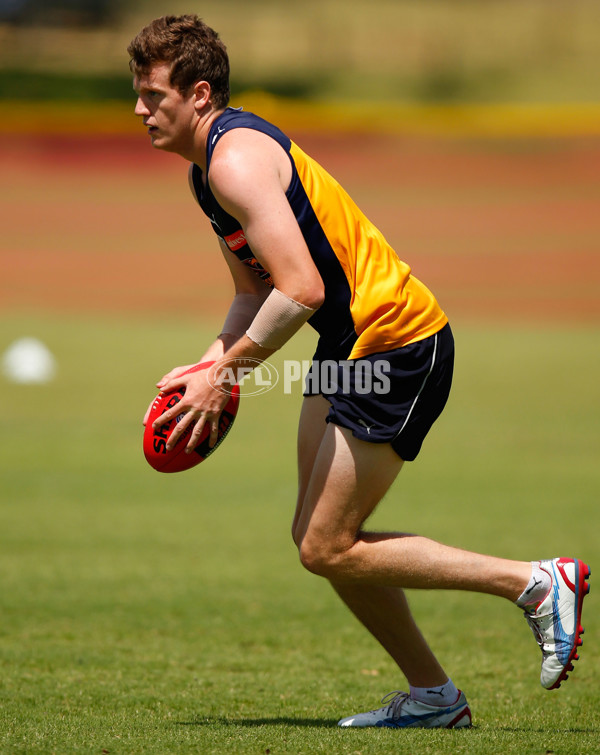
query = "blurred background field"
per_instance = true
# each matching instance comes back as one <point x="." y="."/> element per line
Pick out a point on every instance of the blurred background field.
<point x="358" y="61"/>
<point x="169" y="614"/>
<point x="151" y="613"/>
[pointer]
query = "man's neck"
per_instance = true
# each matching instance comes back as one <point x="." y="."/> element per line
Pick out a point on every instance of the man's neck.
<point x="197" y="153"/>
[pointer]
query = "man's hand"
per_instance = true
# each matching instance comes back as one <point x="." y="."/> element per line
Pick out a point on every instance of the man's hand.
<point x="201" y="405"/>
<point x="174" y="373"/>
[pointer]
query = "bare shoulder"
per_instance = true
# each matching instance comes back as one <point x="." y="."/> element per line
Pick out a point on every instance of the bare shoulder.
<point x="245" y="158"/>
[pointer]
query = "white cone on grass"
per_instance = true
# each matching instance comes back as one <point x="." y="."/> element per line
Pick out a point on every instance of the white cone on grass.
<point x="28" y="360"/>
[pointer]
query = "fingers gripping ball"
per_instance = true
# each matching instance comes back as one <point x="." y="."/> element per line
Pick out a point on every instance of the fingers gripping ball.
<point x="155" y="440"/>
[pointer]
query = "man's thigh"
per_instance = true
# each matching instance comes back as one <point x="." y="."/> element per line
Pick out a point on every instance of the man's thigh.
<point x="348" y="478"/>
<point x="311" y="428"/>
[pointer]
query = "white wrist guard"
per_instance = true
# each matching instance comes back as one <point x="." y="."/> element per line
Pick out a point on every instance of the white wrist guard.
<point x="242" y="312"/>
<point x="277" y="320"/>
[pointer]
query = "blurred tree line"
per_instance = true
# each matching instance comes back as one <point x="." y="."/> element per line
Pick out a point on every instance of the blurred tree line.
<point x="57" y="12"/>
<point x="404" y="50"/>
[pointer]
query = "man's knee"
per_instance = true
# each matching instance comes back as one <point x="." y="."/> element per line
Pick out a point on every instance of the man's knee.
<point x="324" y="558"/>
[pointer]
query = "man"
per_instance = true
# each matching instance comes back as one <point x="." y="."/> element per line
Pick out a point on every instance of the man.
<point x="300" y="250"/>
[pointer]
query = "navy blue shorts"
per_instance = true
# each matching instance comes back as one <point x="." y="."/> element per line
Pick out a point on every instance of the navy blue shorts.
<point x="390" y="397"/>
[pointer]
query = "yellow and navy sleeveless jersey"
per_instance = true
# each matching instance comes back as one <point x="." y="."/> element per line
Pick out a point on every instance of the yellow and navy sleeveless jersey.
<point x="372" y="302"/>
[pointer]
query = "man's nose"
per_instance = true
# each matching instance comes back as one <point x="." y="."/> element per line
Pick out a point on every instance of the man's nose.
<point x="140" y="108"/>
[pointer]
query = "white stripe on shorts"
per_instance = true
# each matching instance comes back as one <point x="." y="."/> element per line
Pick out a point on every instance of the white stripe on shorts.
<point x="414" y="403"/>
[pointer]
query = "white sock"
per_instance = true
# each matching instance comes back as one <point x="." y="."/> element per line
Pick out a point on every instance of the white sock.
<point x="537" y="587"/>
<point x="445" y="694"/>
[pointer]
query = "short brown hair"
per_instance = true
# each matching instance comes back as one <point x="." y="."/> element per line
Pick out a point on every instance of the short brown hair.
<point x="193" y="50"/>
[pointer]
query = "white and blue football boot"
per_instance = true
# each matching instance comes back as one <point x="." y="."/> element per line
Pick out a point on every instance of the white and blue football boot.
<point x="400" y="711"/>
<point x="556" y="620"/>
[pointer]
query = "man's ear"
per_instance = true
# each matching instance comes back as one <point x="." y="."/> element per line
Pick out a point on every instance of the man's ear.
<point x="202" y="92"/>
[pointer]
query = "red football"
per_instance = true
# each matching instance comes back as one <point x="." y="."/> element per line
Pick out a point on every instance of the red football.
<point x="155" y="441"/>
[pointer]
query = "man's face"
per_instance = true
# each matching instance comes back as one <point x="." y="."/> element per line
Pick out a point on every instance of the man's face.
<point x="169" y="115"/>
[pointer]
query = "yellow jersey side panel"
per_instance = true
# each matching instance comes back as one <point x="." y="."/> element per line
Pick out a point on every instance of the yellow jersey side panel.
<point x="389" y="307"/>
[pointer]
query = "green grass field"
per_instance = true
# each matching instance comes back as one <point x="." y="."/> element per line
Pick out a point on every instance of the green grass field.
<point x="148" y="613"/>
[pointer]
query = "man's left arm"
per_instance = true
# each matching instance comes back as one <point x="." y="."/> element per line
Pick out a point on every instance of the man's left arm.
<point x="249" y="176"/>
